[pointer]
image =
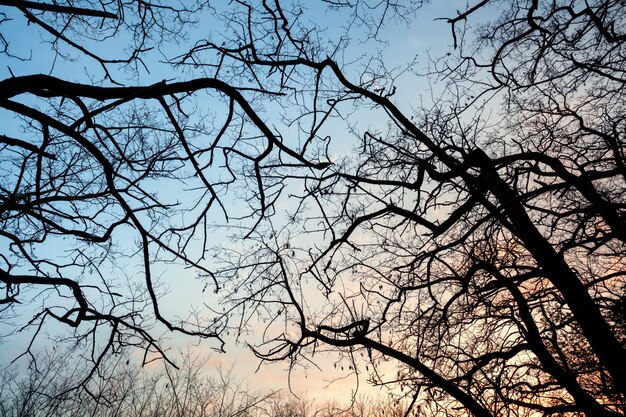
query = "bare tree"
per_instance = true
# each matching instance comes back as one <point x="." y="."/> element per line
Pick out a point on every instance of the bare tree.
<point x="80" y="217"/>
<point x="103" y="187"/>
<point x="475" y="243"/>
<point x="194" y="389"/>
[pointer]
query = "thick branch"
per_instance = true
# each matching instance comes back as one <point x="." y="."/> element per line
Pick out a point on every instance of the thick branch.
<point x="55" y="8"/>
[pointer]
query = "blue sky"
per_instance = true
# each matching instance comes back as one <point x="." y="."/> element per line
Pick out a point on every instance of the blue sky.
<point x="404" y="43"/>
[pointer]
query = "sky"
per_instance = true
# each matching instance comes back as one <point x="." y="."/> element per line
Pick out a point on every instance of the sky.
<point x="421" y="37"/>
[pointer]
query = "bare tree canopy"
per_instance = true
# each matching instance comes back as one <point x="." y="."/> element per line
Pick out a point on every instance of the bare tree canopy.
<point x="189" y="391"/>
<point x="473" y="240"/>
